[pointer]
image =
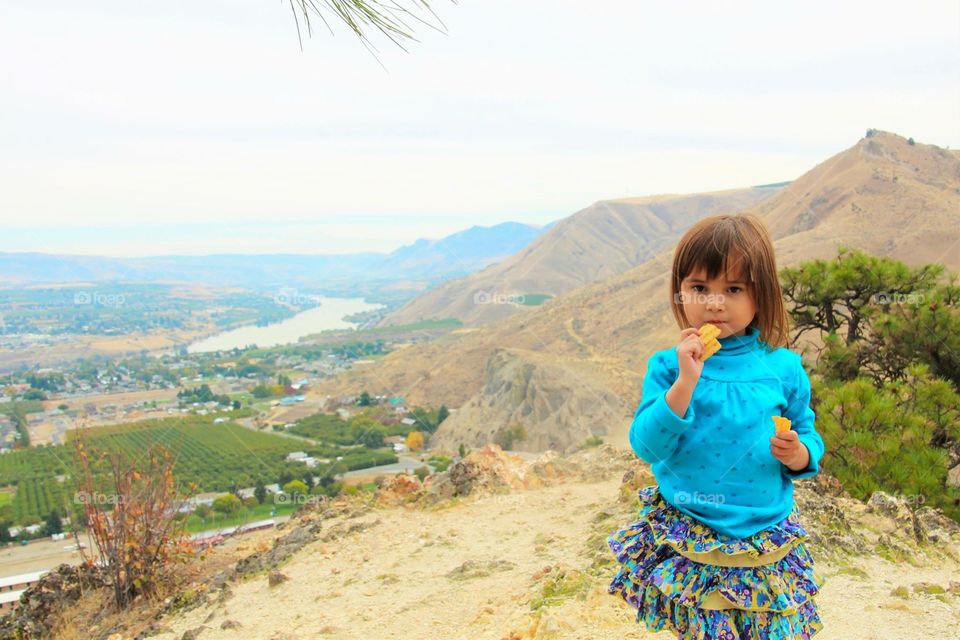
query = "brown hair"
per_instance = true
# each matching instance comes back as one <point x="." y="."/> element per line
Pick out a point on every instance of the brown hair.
<point x="734" y="243"/>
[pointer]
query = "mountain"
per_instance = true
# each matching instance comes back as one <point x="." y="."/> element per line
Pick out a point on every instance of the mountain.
<point x="587" y="348"/>
<point x="430" y="261"/>
<point x="606" y="238"/>
<point x="460" y="253"/>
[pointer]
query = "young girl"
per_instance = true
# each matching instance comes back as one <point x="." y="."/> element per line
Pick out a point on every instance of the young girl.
<point x="718" y="552"/>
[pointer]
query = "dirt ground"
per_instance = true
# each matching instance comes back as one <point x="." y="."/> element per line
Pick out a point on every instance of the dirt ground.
<point x="399" y="578"/>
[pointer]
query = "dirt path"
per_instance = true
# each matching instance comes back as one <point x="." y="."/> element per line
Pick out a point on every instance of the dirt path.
<point x="398" y="578"/>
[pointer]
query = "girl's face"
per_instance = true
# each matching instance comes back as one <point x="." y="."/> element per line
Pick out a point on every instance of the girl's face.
<point x="726" y="303"/>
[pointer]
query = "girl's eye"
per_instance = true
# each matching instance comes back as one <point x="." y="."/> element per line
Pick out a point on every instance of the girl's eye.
<point x="694" y="287"/>
<point x="737" y="288"/>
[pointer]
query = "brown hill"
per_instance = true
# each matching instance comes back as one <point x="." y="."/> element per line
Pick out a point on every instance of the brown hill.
<point x="594" y="341"/>
<point x="606" y="238"/>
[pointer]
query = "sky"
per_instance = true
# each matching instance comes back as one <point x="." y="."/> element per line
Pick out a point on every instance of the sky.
<point x="181" y="127"/>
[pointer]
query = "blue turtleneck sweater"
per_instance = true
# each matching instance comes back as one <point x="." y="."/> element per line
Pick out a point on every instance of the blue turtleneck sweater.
<point x="714" y="463"/>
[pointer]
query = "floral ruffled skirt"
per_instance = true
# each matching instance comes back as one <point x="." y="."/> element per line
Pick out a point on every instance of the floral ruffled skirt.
<point x="684" y="576"/>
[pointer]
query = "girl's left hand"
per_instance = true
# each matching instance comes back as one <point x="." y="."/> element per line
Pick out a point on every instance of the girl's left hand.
<point x="787" y="448"/>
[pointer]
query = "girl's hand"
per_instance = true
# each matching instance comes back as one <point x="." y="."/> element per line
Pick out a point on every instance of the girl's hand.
<point x="787" y="448"/>
<point x="688" y="356"/>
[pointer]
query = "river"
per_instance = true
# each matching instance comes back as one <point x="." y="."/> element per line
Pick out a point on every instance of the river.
<point x="329" y="315"/>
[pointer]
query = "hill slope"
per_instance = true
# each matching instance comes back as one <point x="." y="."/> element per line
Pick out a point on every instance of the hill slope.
<point x="605" y="239"/>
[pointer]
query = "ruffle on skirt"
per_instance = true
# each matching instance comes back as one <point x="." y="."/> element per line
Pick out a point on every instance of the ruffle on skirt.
<point x="682" y="575"/>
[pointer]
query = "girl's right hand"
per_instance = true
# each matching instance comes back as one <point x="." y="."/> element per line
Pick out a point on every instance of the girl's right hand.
<point x="688" y="356"/>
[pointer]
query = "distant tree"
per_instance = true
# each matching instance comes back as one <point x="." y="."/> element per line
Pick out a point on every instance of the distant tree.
<point x="283" y="380"/>
<point x="52" y="523"/>
<point x="414" y="441"/>
<point x="34" y="394"/>
<point x="227" y="503"/>
<point x="364" y="399"/>
<point x="285" y="477"/>
<point x="236" y="405"/>
<point x="295" y="489"/>
<point x="260" y="491"/>
<point x="910" y="141"/>
<point x="442" y="414"/>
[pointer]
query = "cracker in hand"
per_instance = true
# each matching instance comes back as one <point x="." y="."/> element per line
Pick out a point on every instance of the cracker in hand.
<point x="781" y="424"/>
<point x="708" y="336"/>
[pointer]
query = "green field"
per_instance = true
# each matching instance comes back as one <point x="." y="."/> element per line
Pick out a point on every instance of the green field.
<point x="196" y="524"/>
<point x="214" y="456"/>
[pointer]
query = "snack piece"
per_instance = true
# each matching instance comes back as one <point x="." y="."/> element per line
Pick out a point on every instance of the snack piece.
<point x="708" y="336"/>
<point x="781" y="424"/>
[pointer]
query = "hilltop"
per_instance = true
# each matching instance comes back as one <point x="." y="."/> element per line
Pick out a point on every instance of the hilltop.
<point x="496" y="548"/>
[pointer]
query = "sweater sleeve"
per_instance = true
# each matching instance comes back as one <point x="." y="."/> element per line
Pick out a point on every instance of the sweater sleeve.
<point x="655" y="427"/>
<point x="802" y="419"/>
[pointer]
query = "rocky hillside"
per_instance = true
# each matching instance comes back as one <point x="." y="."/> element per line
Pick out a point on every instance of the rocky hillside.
<point x="603" y="240"/>
<point x="589" y="347"/>
<point x="496" y="548"/>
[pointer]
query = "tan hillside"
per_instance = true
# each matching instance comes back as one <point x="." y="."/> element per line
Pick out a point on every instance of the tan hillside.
<point x="596" y="339"/>
<point x="606" y="238"/>
<point x="883" y="195"/>
<point x="496" y="548"/>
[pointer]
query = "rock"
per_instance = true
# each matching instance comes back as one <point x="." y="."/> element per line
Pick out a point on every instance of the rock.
<point x="893" y="507"/>
<point x="953" y="476"/>
<point x="489" y="470"/>
<point x="230" y="624"/>
<point x="276" y="578"/>
<point x="930" y="525"/>
<point x="192" y="634"/>
<point x="633" y="480"/>
<point x="399" y="489"/>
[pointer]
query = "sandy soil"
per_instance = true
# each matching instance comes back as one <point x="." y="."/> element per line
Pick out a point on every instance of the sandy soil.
<point x="391" y="581"/>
